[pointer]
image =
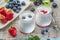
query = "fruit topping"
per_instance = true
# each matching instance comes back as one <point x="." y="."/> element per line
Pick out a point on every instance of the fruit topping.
<point x="15" y="5"/>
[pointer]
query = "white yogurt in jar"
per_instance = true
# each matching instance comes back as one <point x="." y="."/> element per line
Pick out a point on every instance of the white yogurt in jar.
<point x="42" y="19"/>
<point x="27" y="22"/>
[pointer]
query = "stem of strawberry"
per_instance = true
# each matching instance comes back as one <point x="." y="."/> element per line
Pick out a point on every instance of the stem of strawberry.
<point x="11" y="26"/>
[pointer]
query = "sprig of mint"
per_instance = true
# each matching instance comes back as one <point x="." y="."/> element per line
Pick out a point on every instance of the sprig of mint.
<point x="7" y="1"/>
<point x="31" y="37"/>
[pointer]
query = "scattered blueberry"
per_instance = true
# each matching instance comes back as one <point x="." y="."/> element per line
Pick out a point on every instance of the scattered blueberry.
<point x="23" y="17"/>
<point x="11" y="0"/>
<point x="38" y="2"/>
<point x="47" y="30"/>
<point x="54" y="5"/>
<point x="51" y="0"/>
<point x="30" y="16"/>
<point x="32" y="9"/>
<point x="43" y="32"/>
<point x="48" y="39"/>
<point x="23" y="3"/>
<point x="35" y="3"/>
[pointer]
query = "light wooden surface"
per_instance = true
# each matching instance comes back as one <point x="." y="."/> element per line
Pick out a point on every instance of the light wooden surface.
<point x="5" y="35"/>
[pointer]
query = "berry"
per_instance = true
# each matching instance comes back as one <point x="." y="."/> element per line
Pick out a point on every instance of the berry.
<point x="19" y="8"/>
<point x="3" y="11"/>
<point x="36" y="3"/>
<point x="23" y="3"/>
<point x="23" y="17"/>
<point x="30" y="16"/>
<point x="18" y="1"/>
<point x="51" y="0"/>
<point x="9" y="15"/>
<point x="7" y="6"/>
<point x="48" y="39"/>
<point x="17" y="11"/>
<point x="12" y="30"/>
<point x="18" y="4"/>
<point x="46" y="30"/>
<point x="39" y="1"/>
<point x="3" y="19"/>
<point x="54" y="5"/>
<point x="14" y="8"/>
<point x="43" y="32"/>
<point x="11" y="0"/>
<point x="32" y="9"/>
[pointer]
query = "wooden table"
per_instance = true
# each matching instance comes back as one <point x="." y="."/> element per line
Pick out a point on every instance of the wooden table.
<point x="5" y="35"/>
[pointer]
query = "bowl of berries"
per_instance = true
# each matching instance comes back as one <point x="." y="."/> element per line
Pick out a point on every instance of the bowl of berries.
<point x="11" y="10"/>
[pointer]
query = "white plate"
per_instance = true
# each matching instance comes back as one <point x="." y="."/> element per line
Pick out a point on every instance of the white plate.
<point x="16" y="14"/>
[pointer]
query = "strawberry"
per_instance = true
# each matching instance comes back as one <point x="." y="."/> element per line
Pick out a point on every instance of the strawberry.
<point x="3" y="11"/>
<point x="3" y="19"/>
<point x="44" y="12"/>
<point x="12" y="30"/>
<point x="9" y="15"/>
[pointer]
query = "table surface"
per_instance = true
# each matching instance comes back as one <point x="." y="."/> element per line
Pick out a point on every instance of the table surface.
<point x="52" y="34"/>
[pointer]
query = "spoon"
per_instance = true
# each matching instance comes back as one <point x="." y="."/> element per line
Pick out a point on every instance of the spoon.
<point x="55" y="26"/>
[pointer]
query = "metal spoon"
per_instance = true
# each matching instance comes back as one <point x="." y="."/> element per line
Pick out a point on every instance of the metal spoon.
<point x="55" y="26"/>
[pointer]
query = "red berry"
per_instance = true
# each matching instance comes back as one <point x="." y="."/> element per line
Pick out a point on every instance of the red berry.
<point x="3" y="19"/>
<point x="12" y="31"/>
<point x="9" y="15"/>
<point x="3" y="11"/>
<point x="44" y="12"/>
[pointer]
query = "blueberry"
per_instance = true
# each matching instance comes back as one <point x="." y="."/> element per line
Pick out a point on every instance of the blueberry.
<point x="23" y="3"/>
<point x="46" y="30"/>
<point x="18" y="4"/>
<point x="35" y="3"/>
<point x="23" y="17"/>
<point x="43" y="32"/>
<point x="10" y="6"/>
<point x="54" y="5"/>
<point x="14" y="8"/>
<point x="39" y="1"/>
<point x="51" y="0"/>
<point x="11" y="0"/>
<point x="17" y="11"/>
<point x="48" y="39"/>
<point x="14" y="2"/>
<point x="18" y="1"/>
<point x="30" y="16"/>
<point x="32" y="9"/>
<point x="7" y="6"/>
<point x="19" y="8"/>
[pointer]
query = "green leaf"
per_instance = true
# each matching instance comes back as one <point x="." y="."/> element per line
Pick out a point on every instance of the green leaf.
<point x="36" y="38"/>
<point x="7" y="1"/>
